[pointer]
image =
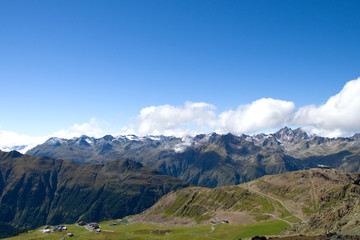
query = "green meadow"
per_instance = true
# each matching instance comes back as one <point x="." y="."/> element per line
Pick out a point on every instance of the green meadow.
<point x="138" y="231"/>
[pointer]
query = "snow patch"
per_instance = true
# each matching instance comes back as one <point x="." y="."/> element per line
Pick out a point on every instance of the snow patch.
<point x="55" y="141"/>
<point x="203" y="140"/>
<point x="154" y="138"/>
<point x="186" y="142"/>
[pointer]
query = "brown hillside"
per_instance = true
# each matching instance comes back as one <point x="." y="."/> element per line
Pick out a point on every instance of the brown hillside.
<point x="312" y="201"/>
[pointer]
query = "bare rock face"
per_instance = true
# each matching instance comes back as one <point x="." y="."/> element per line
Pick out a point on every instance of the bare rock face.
<point x="338" y="211"/>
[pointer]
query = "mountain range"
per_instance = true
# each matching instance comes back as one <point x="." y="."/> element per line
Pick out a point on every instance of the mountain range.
<point x="212" y="159"/>
<point x="40" y="190"/>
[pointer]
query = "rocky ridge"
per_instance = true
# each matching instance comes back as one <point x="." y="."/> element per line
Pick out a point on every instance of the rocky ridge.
<point x="211" y="159"/>
<point x="313" y="202"/>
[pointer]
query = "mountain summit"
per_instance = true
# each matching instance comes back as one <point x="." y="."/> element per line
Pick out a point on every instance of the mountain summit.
<point x="293" y="136"/>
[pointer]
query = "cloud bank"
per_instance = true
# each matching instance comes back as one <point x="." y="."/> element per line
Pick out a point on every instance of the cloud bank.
<point x="10" y="139"/>
<point x="339" y="116"/>
<point x="260" y="115"/>
<point x="179" y="120"/>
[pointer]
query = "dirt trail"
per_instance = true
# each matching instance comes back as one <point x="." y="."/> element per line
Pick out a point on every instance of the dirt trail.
<point x="276" y="199"/>
<point x="207" y="235"/>
<point x="276" y="217"/>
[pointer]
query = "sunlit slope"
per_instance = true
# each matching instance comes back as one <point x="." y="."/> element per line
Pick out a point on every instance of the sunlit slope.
<point x="308" y="200"/>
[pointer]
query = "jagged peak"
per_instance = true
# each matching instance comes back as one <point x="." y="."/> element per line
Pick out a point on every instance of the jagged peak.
<point x="55" y="141"/>
<point x="108" y="138"/>
<point x="84" y="137"/>
<point x="287" y="134"/>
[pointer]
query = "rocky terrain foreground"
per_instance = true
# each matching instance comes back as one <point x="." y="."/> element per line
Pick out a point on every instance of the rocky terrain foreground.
<point x="312" y="202"/>
<point x="320" y="237"/>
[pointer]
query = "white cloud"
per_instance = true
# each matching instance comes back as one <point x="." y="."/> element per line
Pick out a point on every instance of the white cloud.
<point x="9" y="139"/>
<point x="171" y="120"/>
<point x="339" y="116"/>
<point x="260" y="115"/>
<point x="91" y="129"/>
<point x="194" y="118"/>
<point x="185" y="143"/>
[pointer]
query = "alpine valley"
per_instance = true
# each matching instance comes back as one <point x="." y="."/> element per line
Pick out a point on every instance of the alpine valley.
<point x="204" y="187"/>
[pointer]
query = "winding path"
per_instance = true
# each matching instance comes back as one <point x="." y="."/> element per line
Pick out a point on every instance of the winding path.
<point x="276" y="199"/>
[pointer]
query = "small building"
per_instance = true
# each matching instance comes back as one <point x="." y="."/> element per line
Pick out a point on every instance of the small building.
<point x="45" y="231"/>
<point x="94" y="226"/>
<point x="225" y="221"/>
<point x="57" y="229"/>
<point x="70" y="234"/>
<point x="81" y="223"/>
<point x="47" y="227"/>
<point x="213" y="222"/>
<point x="323" y="166"/>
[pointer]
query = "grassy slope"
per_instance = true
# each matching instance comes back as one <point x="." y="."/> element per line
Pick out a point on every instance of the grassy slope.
<point x="307" y="196"/>
<point x="145" y="231"/>
<point x="200" y="205"/>
<point x="37" y="190"/>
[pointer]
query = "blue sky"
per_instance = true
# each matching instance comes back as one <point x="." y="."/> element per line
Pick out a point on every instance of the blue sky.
<point x="65" y="64"/>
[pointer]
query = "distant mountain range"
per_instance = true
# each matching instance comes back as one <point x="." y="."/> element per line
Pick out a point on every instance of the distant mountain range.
<point x="211" y="159"/>
<point x="35" y="191"/>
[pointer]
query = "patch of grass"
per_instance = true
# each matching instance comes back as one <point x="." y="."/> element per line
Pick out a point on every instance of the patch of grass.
<point x="261" y="217"/>
<point x="249" y="230"/>
<point x="179" y="202"/>
<point x="292" y="219"/>
<point x="282" y="211"/>
<point x="307" y="210"/>
<point x="256" y="204"/>
<point x="329" y="204"/>
<point x="155" y="231"/>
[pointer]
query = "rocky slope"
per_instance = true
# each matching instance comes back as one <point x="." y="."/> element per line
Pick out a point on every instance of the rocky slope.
<point x="312" y="201"/>
<point x="39" y="190"/>
<point x="213" y="160"/>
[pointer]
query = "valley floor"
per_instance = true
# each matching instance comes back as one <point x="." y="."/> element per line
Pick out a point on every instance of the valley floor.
<point x="137" y="231"/>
